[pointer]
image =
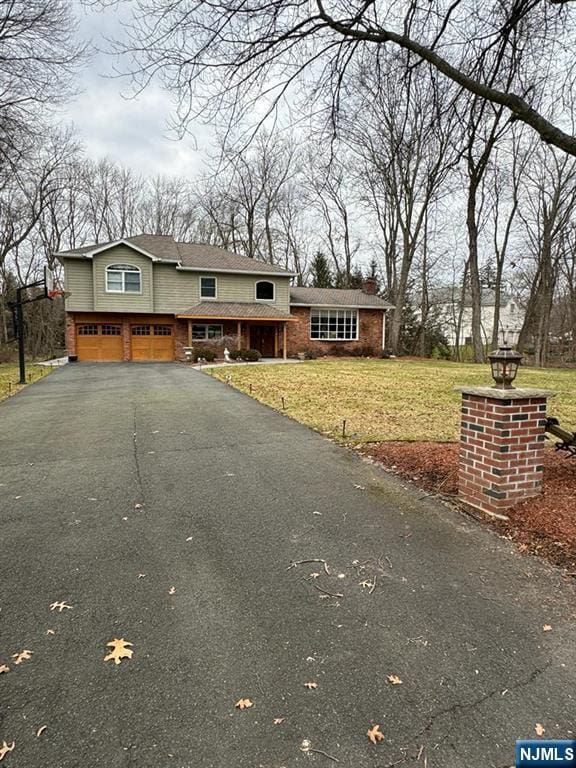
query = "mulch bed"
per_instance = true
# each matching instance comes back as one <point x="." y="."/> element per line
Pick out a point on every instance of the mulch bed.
<point x="544" y="525"/>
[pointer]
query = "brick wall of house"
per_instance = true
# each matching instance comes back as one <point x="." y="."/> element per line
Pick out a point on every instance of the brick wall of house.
<point x="369" y="334"/>
<point x="501" y="450"/>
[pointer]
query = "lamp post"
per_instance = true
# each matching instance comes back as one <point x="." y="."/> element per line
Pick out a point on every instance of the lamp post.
<point x="504" y="363"/>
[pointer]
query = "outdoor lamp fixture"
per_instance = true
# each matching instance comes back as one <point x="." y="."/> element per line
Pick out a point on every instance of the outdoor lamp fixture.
<point x="504" y="362"/>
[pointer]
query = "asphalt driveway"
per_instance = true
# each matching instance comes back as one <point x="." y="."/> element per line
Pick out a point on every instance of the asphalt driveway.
<point x="166" y="508"/>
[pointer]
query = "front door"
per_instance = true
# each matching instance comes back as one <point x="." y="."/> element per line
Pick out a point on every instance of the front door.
<point x="262" y="338"/>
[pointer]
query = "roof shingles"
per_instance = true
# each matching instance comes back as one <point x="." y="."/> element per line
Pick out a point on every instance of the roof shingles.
<point x="234" y="310"/>
<point x="336" y="297"/>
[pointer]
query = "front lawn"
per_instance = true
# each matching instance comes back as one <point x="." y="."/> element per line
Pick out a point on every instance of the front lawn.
<point x="10" y="375"/>
<point x="386" y="399"/>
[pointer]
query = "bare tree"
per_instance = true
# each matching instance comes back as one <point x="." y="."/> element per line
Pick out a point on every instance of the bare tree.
<point x="224" y="55"/>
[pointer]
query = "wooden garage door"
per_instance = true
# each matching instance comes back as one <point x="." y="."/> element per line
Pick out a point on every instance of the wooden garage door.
<point x="152" y="342"/>
<point x="99" y="341"/>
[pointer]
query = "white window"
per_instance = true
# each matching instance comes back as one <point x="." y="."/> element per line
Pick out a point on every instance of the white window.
<point x="201" y="332"/>
<point x="334" y="324"/>
<point x="207" y="287"/>
<point x="123" y="278"/>
<point x="264" y="290"/>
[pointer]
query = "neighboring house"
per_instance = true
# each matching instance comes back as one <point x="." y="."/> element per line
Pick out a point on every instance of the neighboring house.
<point x="445" y="304"/>
<point x="149" y="297"/>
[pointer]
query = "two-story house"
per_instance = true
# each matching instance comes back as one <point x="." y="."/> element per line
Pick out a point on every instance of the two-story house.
<point x="148" y="297"/>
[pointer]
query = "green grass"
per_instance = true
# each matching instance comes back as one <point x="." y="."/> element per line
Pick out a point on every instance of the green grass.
<point x="10" y="375"/>
<point x="386" y="399"/>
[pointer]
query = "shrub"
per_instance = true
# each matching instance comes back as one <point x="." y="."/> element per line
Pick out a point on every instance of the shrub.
<point x="364" y="350"/>
<point x="250" y="355"/>
<point x="203" y="353"/>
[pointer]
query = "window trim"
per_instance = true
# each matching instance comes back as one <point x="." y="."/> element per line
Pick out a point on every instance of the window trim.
<point x="334" y="309"/>
<point x="205" y="326"/>
<point x="124" y="268"/>
<point x="270" y="282"/>
<point x="208" y="298"/>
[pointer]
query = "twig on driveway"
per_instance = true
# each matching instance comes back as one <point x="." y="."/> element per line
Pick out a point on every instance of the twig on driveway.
<point x="294" y="563"/>
<point x="330" y="594"/>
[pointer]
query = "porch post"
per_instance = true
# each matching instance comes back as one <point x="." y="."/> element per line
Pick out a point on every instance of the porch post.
<point x="276" y="329"/>
<point x="239" y="335"/>
<point x="189" y="333"/>
<point x="284" y="353"/>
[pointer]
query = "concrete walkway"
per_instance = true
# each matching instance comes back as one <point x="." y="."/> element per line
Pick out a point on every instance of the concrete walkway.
<point x="198" y="579"/>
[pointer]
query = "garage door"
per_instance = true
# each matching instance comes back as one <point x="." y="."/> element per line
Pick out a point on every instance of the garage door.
<point x="152" y="342"/>
<point x="99" y="341"/>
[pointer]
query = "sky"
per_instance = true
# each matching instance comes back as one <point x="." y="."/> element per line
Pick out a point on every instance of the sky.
<point x="130" y="131"/>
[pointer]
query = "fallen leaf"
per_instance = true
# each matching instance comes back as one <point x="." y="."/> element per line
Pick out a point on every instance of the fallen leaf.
<point x="3" y="669"/>
<point x="314" y="576"/>
<point x="316" y="512"/>
<point x="50" y="632"/>
<point x="5" y="748"/>
<point x="59" y="606"/>
<point x="120" y="650"/>
<point x="375" y="734"/>
<point x="360" y="487"/>
<point x="311" y="686"/>
<point x="41" y="730"/>
<point x="22" y="656"/>
<point x="172" y="591"/>
<point x="540" y="730"/>
<point x="523" y="548"/>
<point x="244" y="704"/>
<point x="394" y="680"/>
<point x="547" y="628"/>
<point x="138" y="506"/>
<point x="124" y="518"/>
<point x="279" y="720"/>
<point x="366" y="584"/>
<point x="189" y="538"/>
<point x="141" y="575"/>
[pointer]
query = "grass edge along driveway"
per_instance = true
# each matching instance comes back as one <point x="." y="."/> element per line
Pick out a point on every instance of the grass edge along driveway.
<point x="385" y="399"/>
<point x="10" y="375"/>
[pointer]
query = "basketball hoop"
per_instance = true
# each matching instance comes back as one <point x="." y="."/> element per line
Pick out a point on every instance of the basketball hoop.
<point x="51" y="290"/>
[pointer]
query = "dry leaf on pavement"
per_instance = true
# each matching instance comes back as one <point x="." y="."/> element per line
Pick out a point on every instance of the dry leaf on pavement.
<point x="244" y="704"/>
<point x="540" y="730"/>
<point x="120" y="650"/>
<point x="394" y="680"/>
<point x="4" y="668"/>
<point x="5" y="748"/>
<point x="59" y="606"/>
<point x="279" y="720"/>
<point x="41" y="730"/>
<point x="138" y="506"/>
<point x="311" y="686"/>
<point x="375" y="734"/>
<point x="172" y="591"/>
<point x="547" y="628"/>
<point x="22" y="656"/>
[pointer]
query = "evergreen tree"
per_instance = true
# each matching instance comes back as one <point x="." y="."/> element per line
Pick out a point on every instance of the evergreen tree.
<point x="320" y="272"/>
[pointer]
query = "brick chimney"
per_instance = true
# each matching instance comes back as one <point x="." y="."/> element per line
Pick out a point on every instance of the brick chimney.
<point x="370" y="286"/>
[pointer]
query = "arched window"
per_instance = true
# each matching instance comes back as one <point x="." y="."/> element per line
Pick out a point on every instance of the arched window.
<point x="123" y="278"/>
<point x="264" y="290"/>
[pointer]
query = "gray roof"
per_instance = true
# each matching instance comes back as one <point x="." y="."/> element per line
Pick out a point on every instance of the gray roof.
<point x="233" y="310"/>
<point x="188" y="255"/>
<point x="336" y="297"/>
<point x="448" y="294"/>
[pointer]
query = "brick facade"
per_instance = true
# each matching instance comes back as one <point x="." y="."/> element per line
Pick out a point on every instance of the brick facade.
<point x="501" y="447"/>
<point x="369" y="335"/>
<point x="297" y="333"/>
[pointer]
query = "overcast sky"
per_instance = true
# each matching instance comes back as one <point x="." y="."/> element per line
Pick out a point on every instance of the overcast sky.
<point x="131" y="131"/>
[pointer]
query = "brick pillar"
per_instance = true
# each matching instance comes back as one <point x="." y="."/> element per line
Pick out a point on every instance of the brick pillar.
<point x="501" y="446"/>
<point x="70" y="334"/>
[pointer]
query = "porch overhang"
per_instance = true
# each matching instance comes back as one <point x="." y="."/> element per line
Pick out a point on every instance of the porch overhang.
<point x="244" y="311"/>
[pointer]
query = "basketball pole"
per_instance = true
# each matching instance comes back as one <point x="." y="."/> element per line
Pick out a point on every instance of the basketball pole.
<point x="18" y="313"/>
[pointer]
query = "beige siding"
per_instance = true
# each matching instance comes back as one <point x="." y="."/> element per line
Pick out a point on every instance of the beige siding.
<point x="122" y="302"/>
<point x="164" y="288"/>
<point x="176" y="290"/>
<point x="78" y="280"/>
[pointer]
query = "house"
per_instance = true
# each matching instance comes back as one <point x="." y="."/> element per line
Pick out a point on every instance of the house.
<point x="149" y="297"/>
<point x="446" y="307"/>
